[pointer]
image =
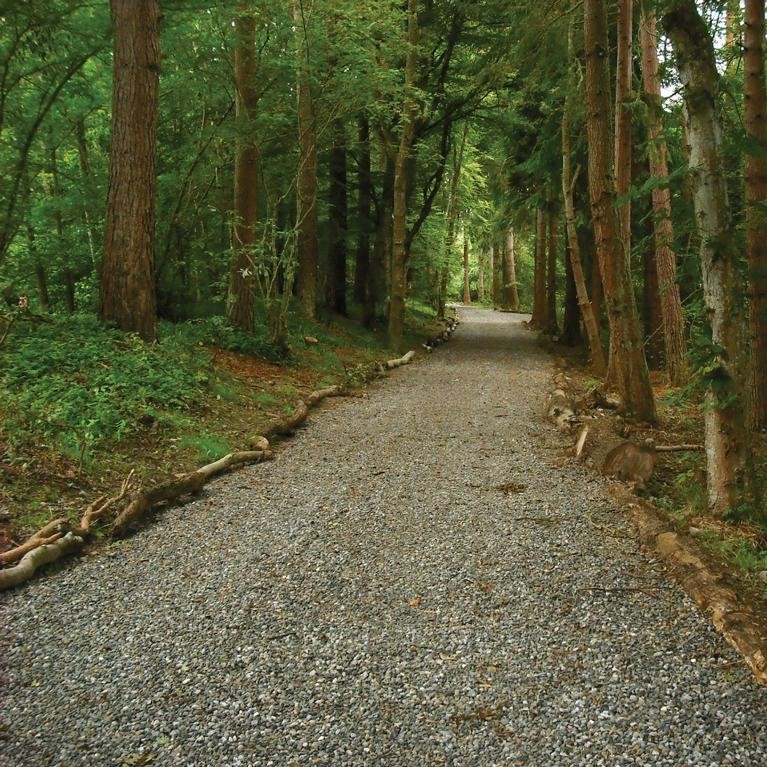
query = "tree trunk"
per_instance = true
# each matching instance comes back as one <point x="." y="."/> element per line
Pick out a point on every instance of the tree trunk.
<point x="399" y="212"/>
<point x="307" y="223"/>
<point x="510" y="262"/>
<point x="480" y="276"/>
<point x="653" y="313"/>
<point x="665" y="259"/>
<point x="755" y="113"/>
<point x="338" y="222"/>
<point x="590" y="317"/>
<point x="623" y="72"/>
<point x="493" y="270"/>
<point x="552" y="327"/>
<point x="466" y="284"/>
<point x="41" y="274"/>
<point x="379" y="267"/>
<point x="633" y="376"/>
<point x="127" y="280"/>
<point x="571" y="322"/>
<point x="727" y="436"/>
<point x="538" y="319"/>
<point x="241" y="299"/>
<point x="364" y="215"/>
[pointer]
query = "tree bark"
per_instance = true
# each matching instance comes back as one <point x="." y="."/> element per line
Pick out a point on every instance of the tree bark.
<point x="480" y="276"/>
<point x="466" y="283"/>
<point x="590" y="317"/>
<point x="307" y="223"/>
<point x="571" y="321"/>
<point x="755" y="114"/>
<point x="633" y="376"/>
<point x="127" y="279"/>
<point x="379" y="267"/>
<point x="241" y="299"/>
<point x="538" y="319"/>
<point x="726" y="435"/>
<point x="623" y="73"/>
<point x="399" y="213"/>
<point x="338" y="222"/>
<point x="552" y="326"/>
<point x="364" y="215"/>
<point x="510" y="270"/>
<point x="493" y="269"/>
<point x="675" y="350"/>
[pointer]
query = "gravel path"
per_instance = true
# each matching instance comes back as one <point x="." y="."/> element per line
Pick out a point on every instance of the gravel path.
<point x="369" y="598"/>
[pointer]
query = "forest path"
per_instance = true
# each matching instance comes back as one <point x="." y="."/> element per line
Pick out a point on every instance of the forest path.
<point x="369" y="598"/>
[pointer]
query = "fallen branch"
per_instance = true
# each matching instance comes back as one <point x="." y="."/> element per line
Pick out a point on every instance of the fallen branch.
<point x="286" y="427"/>
<point x="678" y="448"/>
<point x="42" y="555"/>
<point x="733" y="619"/>
<point x="188" y="484"/>
<point x="46" y="535"/>
<point x="404" y="360"/>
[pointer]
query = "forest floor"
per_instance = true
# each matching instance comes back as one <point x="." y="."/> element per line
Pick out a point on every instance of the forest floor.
<point x="417" y="579"/>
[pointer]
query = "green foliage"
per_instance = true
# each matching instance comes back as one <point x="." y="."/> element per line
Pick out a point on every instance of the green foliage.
<point x="218" y="332"/>
<point x="208" y="447"/>
<point x="80" y="385"/>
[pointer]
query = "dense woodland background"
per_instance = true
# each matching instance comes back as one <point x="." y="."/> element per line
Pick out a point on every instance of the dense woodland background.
<point x="230" y="174"/>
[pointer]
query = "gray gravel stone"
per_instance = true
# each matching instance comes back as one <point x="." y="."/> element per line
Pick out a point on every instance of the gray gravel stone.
<point x="369" y="598"/>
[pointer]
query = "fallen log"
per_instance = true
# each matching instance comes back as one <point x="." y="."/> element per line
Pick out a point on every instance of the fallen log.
<point x="404" y="360"/>
<point x="46" y="535"/>
<point x="733" y="618"/>
<point x="187" y="484"/>
<point x="559" y="409"/>
<point x="42" y="555"/>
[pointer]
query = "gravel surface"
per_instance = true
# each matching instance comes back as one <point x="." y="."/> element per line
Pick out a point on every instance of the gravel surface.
<point x="371" y="598"/>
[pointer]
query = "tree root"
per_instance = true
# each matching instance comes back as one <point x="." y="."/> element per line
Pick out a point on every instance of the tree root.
<point x="42" y="555"/>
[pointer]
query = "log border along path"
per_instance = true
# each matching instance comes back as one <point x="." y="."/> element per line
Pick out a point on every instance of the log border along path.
<point x="371" y="598"/>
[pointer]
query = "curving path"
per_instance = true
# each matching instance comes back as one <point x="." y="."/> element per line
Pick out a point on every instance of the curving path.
<point x="369" y="599"/>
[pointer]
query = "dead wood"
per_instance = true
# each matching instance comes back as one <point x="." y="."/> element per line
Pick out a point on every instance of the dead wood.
<point x="187" y="484"/>
<point x="560" y="410"/>
<point x="678" y="448"/>
<point x="733" y="618"/>
<point x="42" y="555"/>
<point x="51" y="532"/>
<point x="403" y="360"/>
<point x="581" y="443"/>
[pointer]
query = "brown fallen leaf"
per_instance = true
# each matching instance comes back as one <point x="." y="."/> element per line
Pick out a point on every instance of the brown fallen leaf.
<point x="415" y="602"/>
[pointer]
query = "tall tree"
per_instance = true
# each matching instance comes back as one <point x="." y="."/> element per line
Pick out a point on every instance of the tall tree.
<point x="623" y="96"/>
<point x="466" y="283"/>
<point x="675" y="352"/>
<point x="241" y="301"/>
<point x="552" y="327"/>
<point x="755" y="114"/>
<point x="307" y="223"/>
<point x="726" y="433"/>
<point x="336" y="279"/>
<point x="538" y="319"/>
<point x="510" y="270"/>
<point x="127" y="279"/>
<point x="632" y="373"/>
<point x="401" y="167"/>
<point x="364" y="214"/>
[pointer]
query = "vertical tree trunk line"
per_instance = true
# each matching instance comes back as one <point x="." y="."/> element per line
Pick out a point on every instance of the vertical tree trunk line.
<point x="481" y="276"/>
<point x="241" y="299"/>
<point x="726" y="434"/>
<point x="623" y="73"/>
<point x="466" y="284"/>
<point x="127" y="280"/>
<point x="493" y="270"/>
<point x="675" y="351"/>
<point x="399" y="213"/>
<point x="590" y="317"/>
<point x="552" y="326"/>
<point x="755" y="114"/>
<point x="511" y="269"/>
<point x="336" y="279"/>
<point x="538" y="318"/>
<point x="364" y="215"/>
<point x="307" y="223"/>
<point x="633" y="375"/>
